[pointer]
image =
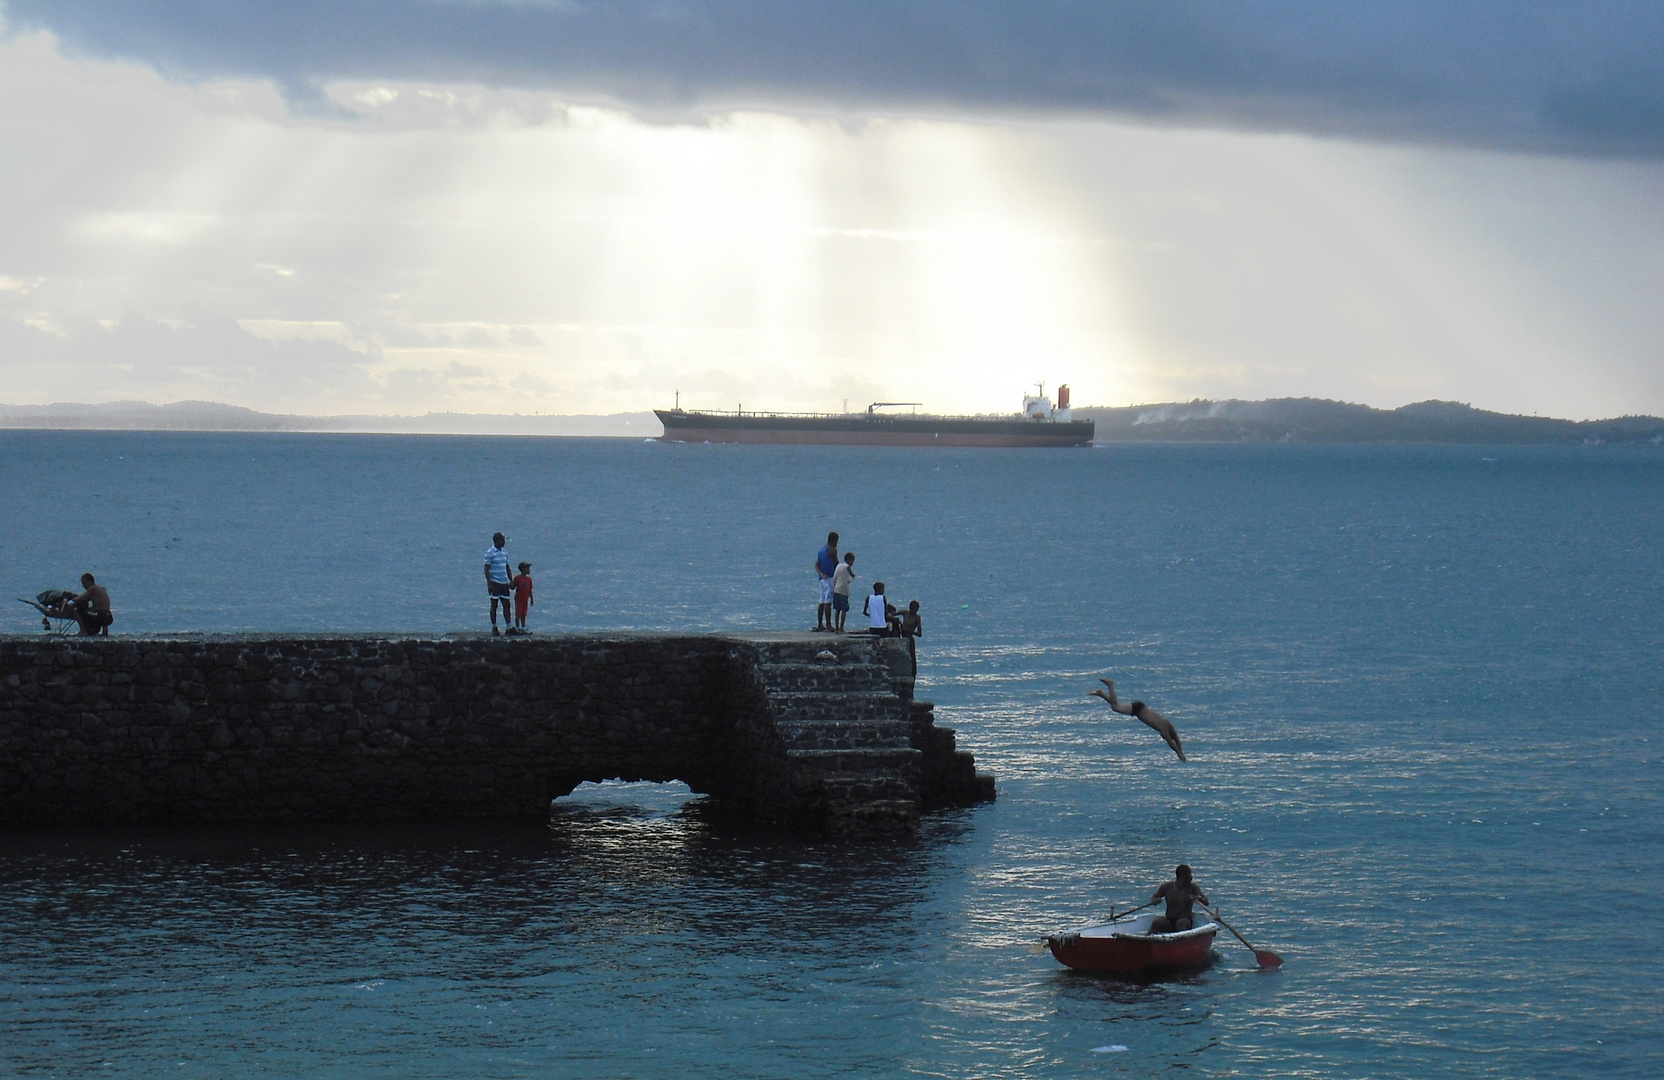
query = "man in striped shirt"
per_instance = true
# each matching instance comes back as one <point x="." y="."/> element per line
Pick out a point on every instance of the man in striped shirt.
<point x="497" y="586"/>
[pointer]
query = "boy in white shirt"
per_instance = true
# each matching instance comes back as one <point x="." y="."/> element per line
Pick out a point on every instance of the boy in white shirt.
<point x="841" y="578"/>
<point x="878" y="611"/>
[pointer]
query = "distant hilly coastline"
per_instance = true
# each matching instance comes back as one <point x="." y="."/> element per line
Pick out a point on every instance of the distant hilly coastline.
<point x="1277" y="420"/>
<point x="1319" y="421"/>
<point x="213" y="416"/>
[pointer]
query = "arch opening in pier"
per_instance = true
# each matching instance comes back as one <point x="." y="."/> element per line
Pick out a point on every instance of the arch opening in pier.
<point x="794" y="729"/>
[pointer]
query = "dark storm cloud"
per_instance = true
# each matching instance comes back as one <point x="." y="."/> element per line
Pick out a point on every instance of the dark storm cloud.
<point x="1582" y="78"/>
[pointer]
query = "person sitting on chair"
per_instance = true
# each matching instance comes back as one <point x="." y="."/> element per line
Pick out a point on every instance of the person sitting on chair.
<point x="92" y="607"/>
<point x="1181" y="895"/>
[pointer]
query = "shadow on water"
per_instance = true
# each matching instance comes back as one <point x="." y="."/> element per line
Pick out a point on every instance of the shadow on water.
<point x="610" y="863"/>
<point x="626" y="911"/>
<point x="1131" y="983"/>
<point x="1173" y="1010"/>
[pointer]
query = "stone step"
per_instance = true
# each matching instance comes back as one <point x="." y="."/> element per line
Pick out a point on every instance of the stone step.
<point x="805" y="651"/>
<point x="932" y="739"/>
<point x="866" y="790"/>
<point x="837" y="708"/>
<point x="821" y="662"/>
<point x="901" y="761"/>
<point x="841" y="736"/>
<point x="847" y="648"/>
<point x="809" y="719"/>
<point x="822" y="678"/>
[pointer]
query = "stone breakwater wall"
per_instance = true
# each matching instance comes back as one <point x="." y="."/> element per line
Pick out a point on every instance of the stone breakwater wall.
<point x="812" y="732"/>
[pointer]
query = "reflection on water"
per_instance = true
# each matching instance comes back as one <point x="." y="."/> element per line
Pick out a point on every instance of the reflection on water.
<point x="637" y="929"/>
<point x="633" y="924"/>
<point x="1368" y="651"/>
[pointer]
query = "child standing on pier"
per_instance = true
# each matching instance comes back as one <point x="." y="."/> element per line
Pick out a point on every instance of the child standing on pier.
<point x="522" y="596"/>
<point x="841" y="579"/>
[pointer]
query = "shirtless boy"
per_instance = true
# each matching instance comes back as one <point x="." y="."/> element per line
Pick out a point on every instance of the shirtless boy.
<point x="1181" y="895"/>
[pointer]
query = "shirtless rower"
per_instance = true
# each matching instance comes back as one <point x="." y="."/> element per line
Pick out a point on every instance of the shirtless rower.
<point x="1181" y="895"/>
<point x="1151" y="718"/>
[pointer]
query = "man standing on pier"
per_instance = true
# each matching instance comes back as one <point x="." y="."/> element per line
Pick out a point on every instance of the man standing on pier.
<point x="497" y="587"/>
<point x="826" y="564"/>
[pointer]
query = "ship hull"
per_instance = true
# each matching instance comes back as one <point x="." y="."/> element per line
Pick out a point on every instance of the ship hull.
<point x="865" y="429"/>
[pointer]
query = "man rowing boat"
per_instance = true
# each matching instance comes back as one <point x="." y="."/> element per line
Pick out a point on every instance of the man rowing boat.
<point x="1181" y="895"/>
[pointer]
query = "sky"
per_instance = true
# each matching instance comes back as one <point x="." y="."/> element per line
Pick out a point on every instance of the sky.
<point x="554" y="206"/>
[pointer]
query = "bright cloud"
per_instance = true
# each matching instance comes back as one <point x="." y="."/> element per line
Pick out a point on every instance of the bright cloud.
<point x="422" y="246"/>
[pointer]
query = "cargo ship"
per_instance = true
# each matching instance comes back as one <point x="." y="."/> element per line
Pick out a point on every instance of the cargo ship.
<point x="1039" y="424"/>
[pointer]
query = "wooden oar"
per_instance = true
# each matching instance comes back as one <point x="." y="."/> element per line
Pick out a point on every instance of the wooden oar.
<point x="1129" y="911"/>
<point x="1266" y="957"/>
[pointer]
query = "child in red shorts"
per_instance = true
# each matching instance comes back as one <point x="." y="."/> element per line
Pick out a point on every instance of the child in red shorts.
<point x="522" y="585"/>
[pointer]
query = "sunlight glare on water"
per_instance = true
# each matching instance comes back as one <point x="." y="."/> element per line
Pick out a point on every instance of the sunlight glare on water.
<point x="1418" y="688"/>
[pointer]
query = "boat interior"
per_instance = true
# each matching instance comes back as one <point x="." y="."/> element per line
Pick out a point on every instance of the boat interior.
<point x="1139" y="926"/>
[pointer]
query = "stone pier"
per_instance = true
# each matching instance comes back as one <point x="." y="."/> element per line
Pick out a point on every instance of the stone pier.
<point x="814" y="732"/>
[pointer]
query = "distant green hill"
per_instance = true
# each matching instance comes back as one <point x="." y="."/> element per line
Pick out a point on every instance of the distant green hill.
<point x="1317" y="420"/>
<point x="214" y="416"/>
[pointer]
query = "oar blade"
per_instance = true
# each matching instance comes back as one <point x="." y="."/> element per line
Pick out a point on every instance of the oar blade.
<point x="1268" y="959"/>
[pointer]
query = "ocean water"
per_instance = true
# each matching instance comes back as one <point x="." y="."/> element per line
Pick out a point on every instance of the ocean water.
<point x="1419" y="688"/>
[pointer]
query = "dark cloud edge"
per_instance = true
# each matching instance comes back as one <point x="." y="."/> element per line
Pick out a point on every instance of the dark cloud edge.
<point x="1516" y="77"/>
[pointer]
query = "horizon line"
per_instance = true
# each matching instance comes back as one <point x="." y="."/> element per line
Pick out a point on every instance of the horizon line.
<point x="138" y="403"/>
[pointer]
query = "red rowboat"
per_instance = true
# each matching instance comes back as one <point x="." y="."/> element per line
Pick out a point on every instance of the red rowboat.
<point x="1127" y="945"/>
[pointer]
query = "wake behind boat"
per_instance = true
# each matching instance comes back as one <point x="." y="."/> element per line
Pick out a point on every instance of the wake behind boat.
<point x="1126" y="945"/>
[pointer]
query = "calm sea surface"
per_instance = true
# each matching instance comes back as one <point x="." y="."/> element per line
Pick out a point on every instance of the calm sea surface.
<point x="1419" y="687"/>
